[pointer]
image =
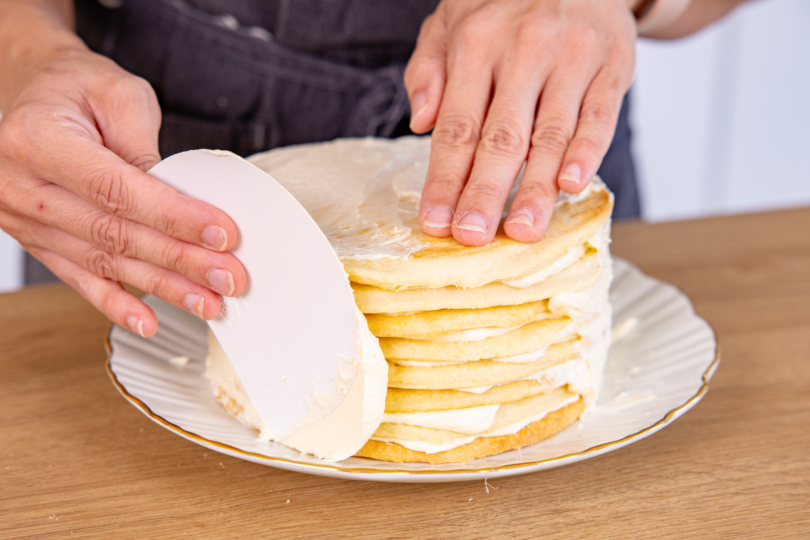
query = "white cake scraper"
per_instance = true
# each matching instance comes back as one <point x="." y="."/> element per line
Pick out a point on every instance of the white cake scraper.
<point x="288" y="333"/>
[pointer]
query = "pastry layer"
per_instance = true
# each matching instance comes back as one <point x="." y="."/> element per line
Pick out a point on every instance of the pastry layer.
<point x="403" y="400"/>
<point x="534" y="336"/>
<point x="473" y="374"/>
<point x="444" y="262"/>
<point x="581" y="275"/>
<point x="552" y="423"/>
<point x="431" y="324"/>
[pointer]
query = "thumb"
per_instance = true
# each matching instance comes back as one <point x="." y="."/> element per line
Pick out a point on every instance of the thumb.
<point x="128" y="117"/>
<point x="425" y="74"/>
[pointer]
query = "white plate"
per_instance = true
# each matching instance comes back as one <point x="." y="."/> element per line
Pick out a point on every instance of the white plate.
<point x="657" y="372"/>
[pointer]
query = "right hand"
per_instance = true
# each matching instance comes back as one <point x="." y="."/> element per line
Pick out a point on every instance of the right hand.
<point x="74" y="144"/>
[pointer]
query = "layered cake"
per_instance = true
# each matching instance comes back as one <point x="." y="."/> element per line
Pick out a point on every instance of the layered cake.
<point x="489" y="348"/>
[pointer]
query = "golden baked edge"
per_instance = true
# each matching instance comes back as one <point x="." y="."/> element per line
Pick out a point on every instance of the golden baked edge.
<point x="535" y="432"/>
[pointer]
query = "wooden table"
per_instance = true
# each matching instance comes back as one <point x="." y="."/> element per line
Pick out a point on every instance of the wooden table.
<point x="77" y="461"/>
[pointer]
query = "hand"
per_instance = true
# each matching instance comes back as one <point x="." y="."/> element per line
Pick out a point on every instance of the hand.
<point x="501" y="82"/>
<point x="74" y="146"/>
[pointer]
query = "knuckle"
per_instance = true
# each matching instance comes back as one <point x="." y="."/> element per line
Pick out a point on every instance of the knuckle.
<point x="108" y="190"/>
<point x="503" y="138"/>
<point x="457" y="131"/>
<point x="551" y="138"/>
<point x="596" y="113"/>
<point x="157" y="284"/>
<point x="111" y="234"/>
<point x="102" y="263"/>
<point x="13" y="139"/>
<point x="485" y="191"/>
<point x="445" y="184"/>
<point x="419" y="64"/>
<point x="144" y="160"/>
<point x="586" y="35"/>
<point x="587" y="145"/>
<point x="622" y="51"/>
<point x="529" y="31"/>
<point x="538" y="191"/>
<point x="107" y="305"/>
<point x="174" y="257"/>
<point x="169" y="223"/>
<point x="131" y="88"/>
<point x="476" y="26"/>
<point x="143" y="89"/>
<point x="83" y="283"/>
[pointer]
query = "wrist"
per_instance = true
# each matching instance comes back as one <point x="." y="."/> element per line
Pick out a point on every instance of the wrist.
<point x="30" y="37"/>
<point x="653" y="15"/>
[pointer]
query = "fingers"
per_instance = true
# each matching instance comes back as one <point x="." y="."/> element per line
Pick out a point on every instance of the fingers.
<point x="425" y="73"/>
<point x="121" y="307"/>
<point x="106" y="181"/>
<point x="160" y="282"/>
<point x="501" y="151"/>
<point x="454" y="139"/>
<point x="553" y="130"/>
<point x="220" y="272"/>
<point x="597" y="124"/>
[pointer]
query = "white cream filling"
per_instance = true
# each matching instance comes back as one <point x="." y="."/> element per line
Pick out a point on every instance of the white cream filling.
<point x="472" y="334"/>
<point x="340" y="433"/>
<point x="525" y="358"/>
<point x="574" y="372"/>
<point x="432" y="448"/>
<point x="572" y="255"/>
<point x="422" y="363"/>
<point x="470" y="420"/>
<point x="624" y="328"/>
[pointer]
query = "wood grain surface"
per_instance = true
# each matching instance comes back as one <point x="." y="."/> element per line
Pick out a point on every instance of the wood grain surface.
<point x="77" y="461"/>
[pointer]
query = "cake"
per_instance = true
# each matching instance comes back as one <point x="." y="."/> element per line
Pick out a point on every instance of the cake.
<point x="489" y="348"/>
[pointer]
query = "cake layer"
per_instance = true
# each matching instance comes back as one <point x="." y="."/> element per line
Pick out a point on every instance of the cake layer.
<point x="534" y="432"/>
<point x="581" y="275"/>
<point x="533" y="336"/>
<point x="473" y="374"/>
<point x="491" y="419"/>
<point x="401" y="400"/>
<point x="431" y="324"/>
<point x="444" y="262"/>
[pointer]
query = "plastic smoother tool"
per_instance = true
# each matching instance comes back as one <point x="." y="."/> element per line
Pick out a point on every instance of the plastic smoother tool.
<point x="288" y="334"/>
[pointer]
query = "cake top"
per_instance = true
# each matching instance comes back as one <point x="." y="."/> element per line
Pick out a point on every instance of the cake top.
<point x="365" y="194"/>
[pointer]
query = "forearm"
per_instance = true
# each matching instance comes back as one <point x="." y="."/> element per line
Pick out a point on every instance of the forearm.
<point x="30" y="32"/>
<point x="697" y="15"/>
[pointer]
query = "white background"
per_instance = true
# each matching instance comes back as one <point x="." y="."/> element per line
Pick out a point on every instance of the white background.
<point x="721" y="120"/>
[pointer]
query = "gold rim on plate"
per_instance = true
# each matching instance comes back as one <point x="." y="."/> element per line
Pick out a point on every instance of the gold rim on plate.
<point x="707" y="375"/>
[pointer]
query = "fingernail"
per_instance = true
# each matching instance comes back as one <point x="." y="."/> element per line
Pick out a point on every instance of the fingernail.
<point x="221" y="281"/>
<point x="521" y="217"/>
<point x="135" y="325"/>
<point x="472" y="222"/>
<point x="439" y="217"/>
<point x="215" y="237"/>
<point x="195" y="303"/>
<point x="572" y="173"/>
<point x="419" y="105"/>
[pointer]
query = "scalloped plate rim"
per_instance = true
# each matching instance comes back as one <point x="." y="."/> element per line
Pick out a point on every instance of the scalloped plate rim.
<point x="427" y="474"/>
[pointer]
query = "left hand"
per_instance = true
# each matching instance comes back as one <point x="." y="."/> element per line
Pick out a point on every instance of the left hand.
<point x="501" y="82"/>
